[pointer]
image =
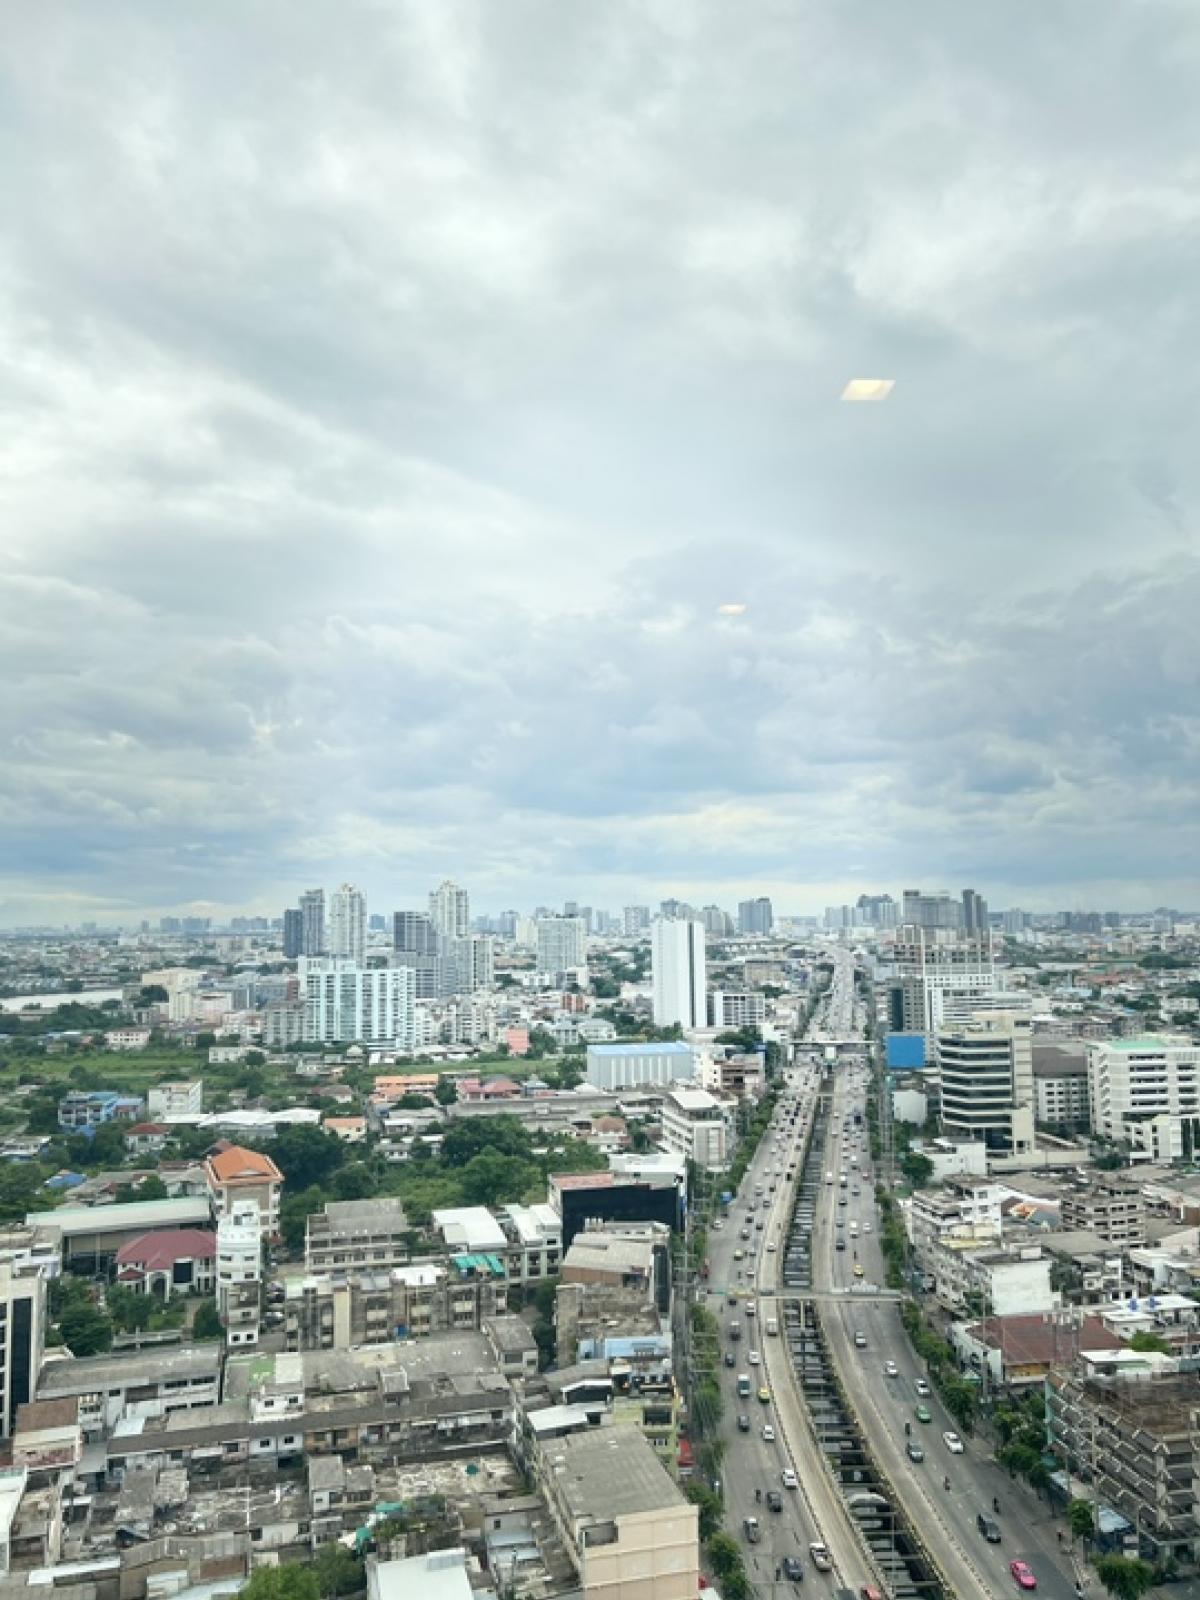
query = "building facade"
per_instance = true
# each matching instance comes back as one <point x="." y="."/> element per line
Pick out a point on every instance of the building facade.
<point x="986" y="1071"/>
<point x="348" y="1003"/>
<point x="1135" y="1080"/>
<point x="697" y="1126"/>
<point x="678" y="970"/>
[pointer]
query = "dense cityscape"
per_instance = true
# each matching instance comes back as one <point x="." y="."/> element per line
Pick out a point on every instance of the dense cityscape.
<point x="601" y="1253"/>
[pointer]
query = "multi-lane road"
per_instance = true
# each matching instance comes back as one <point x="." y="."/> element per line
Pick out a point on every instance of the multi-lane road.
<point x="754" y="1465"/>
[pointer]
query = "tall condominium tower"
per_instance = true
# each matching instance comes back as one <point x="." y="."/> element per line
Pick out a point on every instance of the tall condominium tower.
<point x="677" y="963"/>
<point x="450" y="910"/>
<point x="348" y="923"/>
<point x="312" y="909"/>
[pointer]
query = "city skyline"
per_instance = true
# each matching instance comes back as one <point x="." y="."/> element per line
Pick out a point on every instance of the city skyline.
<point x="396" y="487"/>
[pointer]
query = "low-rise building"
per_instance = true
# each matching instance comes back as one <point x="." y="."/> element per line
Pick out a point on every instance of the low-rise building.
<point x="88" y="1237"/>
<point x="182" y="1098"/>
<point x="169" y="1262"/>
<point x="147" y="1138"/>
<point x="624" y="1521"/>
<point x="365" y="1308"/>
<point x="996" y="1281"/>
<point x="353" y="1235"/>
<point x="234" y="1174"/>
<point x="83" y="1110"/>
<point x="1127" y="1427"/>
<point x="619" y="1066"/>
<point x="1107" y="1205"/>
<point x="699" y="1127"/>
<point x="127" y="1038"/>
<point x="137" y="1385"/>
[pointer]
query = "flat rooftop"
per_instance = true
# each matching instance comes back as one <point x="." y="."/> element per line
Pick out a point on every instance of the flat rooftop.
<point x="671" y="1047"/>
<point x="148" y="1365"/>
<point x="139" y="1216"/>
<point x="612" y="1472"/>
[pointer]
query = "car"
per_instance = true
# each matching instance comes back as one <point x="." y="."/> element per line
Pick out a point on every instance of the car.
<point x="730" y="1359"/>
<point x="870" y="1592"/>
<point x="768" y="1433"/>
<point x="745" y="1233"/>
<point x="858" y="1271"/>
<point x="866" y="1227"/>
<point x="914" y="1451"/>
<point x="772" y="1246"/>
<point x="751" y="1529"/>
<point x="819" y="1556"/>
<point x="792" y="1568"/>
<point x="1022" y="1575"/>
<point x="952" y="1442"/>
<point x="743" y="1422"/>
<point x="890" y="1369"/>
<point x="988" y="1527"/>
<point x="923" y="1414"/>
<point x="732" y="1297"/>
<point x="754" y="1358"/>
<point x="764" y="1394"/>
<point x="774" y="1500"/>
<point x="860" y="1339"/>
<point x="841" y="1244"/>
<point x="739" y="1255"/>
<point x="789" y="1479"/>
<point x="922" y="1387"/>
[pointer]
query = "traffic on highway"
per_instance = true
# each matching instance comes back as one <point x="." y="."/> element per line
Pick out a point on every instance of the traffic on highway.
<point x="796" y="1283"/>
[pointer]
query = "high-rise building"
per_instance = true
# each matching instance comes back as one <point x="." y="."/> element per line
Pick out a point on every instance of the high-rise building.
<point x="561" y="943"/>
<point x="312" y="910"/>
<point x="718" y="924"/>
<point x="974" y="912"/>
<point x="346" y="1002"/>
<point x="450" y="910"/>
<point x="467" y="965"/>
<point x="348" y="923"/>
<point x="677" y="965"/>
<point x="1137" y="1081"/>
<point x="293" y="933"/>
<point x="1015" y="921"/>
<point x="987" y="1090"/>
<point x="933" y="965"/>
<point x="413" y="932"/>
<point x="22" y="1337"/>
<point x="635" y="920"/>
<point x="755" y="916"/>
<point x="878" y="910"/>
<point x="931" y="911"/>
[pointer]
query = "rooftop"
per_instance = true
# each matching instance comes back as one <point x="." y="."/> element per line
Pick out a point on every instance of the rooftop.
<point x="88" y="1373"/>
<point x="470" y="1228"/>
<point x="157" y="1251"/>
<point x="227" y="1166"/>
<point x="142" y="1215"/>
<point x="611" y="1472"/>
<point x="670" y="1048"/>
<point x="1036" y="1340"/>
<point x="440" y="1575"/>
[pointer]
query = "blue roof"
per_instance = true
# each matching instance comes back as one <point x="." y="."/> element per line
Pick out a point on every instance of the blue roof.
<point x="672" y="1047"/>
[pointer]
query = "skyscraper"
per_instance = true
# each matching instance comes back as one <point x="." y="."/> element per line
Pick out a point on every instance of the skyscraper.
<point x="348" y="923"/>
<point x="635" y="920"/>
<point x="312" y="910"/>
<point x="562" y="944"/>
<point x="293" y="933"/>
<point x="677" y="964"/>
<point x="450" y="910"/>
<point x="755" y="916"/>
<point x="413" y="931"/>
<point x="974" y="912"/>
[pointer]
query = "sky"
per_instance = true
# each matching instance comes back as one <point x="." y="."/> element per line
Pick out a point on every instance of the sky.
<point x="393" y="394"/>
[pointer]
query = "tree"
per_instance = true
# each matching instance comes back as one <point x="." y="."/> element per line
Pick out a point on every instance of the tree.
<point x="1143" y="1340"/>
<point x="710" y="1508"/>
<point x="291" y="1580"/>
<point x="1081" y="1519"/>
<point x="355" y="1181"/>
<point x="446" y="1092"/>
<point x="151" y="1188"/>
<point x="338" y="1570"/>
<point x="918" y="1169"/>
<point x="295" y="1212"/>
<point x="724" y="1555"/>
<point x="130" y="1312"/>
<point x="1126" y="1577"/>
<point x="306" y="1156"/>
<point x="471" y="1135"/>
<point x="206" y="1324"/>
<point x="86" y="1331"/>
<point x="492" y="1179"/>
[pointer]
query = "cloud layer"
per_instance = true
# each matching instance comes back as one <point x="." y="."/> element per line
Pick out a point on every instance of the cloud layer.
<point x="391" y="396"/>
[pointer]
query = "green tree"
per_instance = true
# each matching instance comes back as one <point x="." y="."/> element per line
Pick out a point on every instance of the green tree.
<point x="492" y="1179"/>
<point x="1081" y="1519"/>
<point x="291" y="1580"/>
<point x="130" y="1312"/>
<point x="1143" y="1340"/>
<point x="338" y="1570"/>
<point x="918" y="1169"/>
<point x="354" y="1181"/>
<point x="206" y="1324"/>
<point x="1126" y="1577"/>
<point x="724" y="1555"/>
<point x="85" y="1330"/>
<point x="468" y="1136"/>
<point x="446" y="1092"/>
<point x="710" y="1508"/>
<point x="295" y="1212"/>
<point x="307" y="1156"/>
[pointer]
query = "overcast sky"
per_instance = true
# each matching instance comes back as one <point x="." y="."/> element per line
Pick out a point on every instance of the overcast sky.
<point x="391" y="394"/>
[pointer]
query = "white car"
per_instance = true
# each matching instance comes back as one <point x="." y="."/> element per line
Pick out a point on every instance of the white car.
<point x="771" y="1246"/>
<point x="922" y="1387"/>
<point x="768" y="1433"/>
<point x="952" y="1442"/>
<point x="891" y="1370"/>
<point x="789" y="1478"/>
<point x="866" y="1227"/>
<point x="819" y="1556"/>
<point x="754" y="1358"/>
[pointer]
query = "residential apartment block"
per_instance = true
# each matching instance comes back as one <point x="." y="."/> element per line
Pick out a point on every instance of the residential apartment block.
<point x="355" y="1235"/>
<point x="1136" y="1080"/>
<point x="699" y="1127"/>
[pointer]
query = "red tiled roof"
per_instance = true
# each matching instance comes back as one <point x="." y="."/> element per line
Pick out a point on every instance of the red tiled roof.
<point x="147" y="1127"/>
<point x="237" y="1162"/>
<point x="1034" y="1340"/>
<point x="156" y="1251"/>
<point x="582" y="1180"/>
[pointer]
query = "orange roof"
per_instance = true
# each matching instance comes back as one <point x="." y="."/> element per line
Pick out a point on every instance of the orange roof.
<point x="237" y="1162"/>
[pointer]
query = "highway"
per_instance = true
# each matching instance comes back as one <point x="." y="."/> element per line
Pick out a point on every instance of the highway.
<point x="884" y="1404"/>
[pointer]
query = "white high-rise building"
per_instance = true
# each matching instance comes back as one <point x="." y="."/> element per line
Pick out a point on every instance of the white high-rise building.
<point x="677" y="963"/>
<point x="450" y="910"/>
<point x="986" y="1069"/>
<point x="345" y="1002"/>
<point x="1133" y="1081"/>
<point x="561" y="943"/>
<point x="348" y="923"/>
